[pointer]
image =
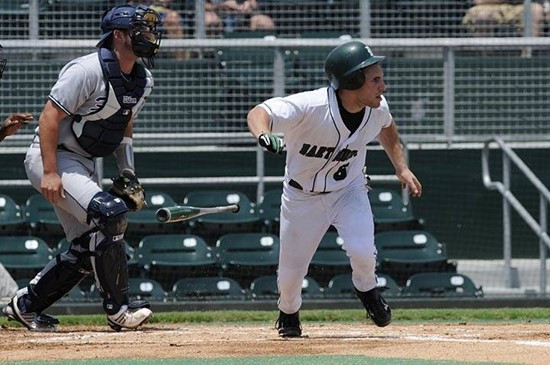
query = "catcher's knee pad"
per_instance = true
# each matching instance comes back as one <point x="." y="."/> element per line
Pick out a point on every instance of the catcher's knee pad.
<point x="62" y="274"/>
<point x="109" y="214"/>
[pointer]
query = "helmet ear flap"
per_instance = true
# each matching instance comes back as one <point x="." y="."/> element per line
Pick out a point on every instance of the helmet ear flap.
<point x="353" y="81"/>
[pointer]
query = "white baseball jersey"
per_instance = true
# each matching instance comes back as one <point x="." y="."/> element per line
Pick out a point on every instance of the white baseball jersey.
<point x="322" y="156"/>
<point x="82" y="90"/>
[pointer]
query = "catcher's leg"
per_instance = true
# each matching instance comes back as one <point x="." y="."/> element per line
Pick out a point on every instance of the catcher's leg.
<point x="110" y="263"/>
<point x="61" y="274"/>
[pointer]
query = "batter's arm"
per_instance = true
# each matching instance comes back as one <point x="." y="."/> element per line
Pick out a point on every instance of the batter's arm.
<point x="50" y="185"/>
<point x="389" y="139"/>
<point x="258" y="123"/>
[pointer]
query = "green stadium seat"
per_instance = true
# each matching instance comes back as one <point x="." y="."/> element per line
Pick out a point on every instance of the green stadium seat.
<point x="133" y="265"/>
<point x="76" y="295"/>
<point x="269" y="210"/>
<point x="145" y="289"/>
<point x="214" y="225"/>
<point x="209" y="288"/>
<point x="12" y="219"/>
<point x="138" y="288"/>
<point x="404" y="253"/>
<point x="441" y="284"/>
<point x="389" y="211"/>
<point x="265" y="287"/>
<point x="40" y="215"/>
<point x="387" y="286"/>
<point x="330" y="259"/>
<point x="342" y="286"/>
<point x="168" y="257"/>
<point x="22" y="282"/>
<point x="23" y="256"/>
<point x="144" y="222"/>
<point x="244" y="256"/>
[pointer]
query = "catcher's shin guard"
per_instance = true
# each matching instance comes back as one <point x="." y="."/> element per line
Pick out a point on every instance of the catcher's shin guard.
<point x="61" y="274"/>
<point x="111" y="270"/>
<point x="107" y="249"/>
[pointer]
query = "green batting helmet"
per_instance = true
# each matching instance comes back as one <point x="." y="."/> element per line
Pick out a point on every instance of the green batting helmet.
<point x="344" y="63"/>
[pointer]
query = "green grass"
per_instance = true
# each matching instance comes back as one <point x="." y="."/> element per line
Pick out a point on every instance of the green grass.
<point x="346" y="315"/>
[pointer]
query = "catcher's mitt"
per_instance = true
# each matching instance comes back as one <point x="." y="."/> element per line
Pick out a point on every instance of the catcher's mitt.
<point x="129" y="189"/>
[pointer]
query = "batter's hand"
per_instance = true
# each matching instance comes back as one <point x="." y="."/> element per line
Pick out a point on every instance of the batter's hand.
<point x="409" y="181"/>
<point x="271" y="143"/>
<point x="52" y="188"/>
<point x="13" y="122"/>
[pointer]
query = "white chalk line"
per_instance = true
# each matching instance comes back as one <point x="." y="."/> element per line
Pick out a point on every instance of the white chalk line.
<point x="88" y="338"/>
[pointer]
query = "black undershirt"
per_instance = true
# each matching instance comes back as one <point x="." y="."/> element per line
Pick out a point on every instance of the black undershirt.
<point x="351" y="120"/>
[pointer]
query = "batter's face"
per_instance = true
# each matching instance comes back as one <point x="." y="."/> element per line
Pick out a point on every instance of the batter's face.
<point x="370" y="94"/>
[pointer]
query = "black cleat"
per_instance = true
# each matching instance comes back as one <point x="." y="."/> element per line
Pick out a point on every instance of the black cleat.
<point x="377" y="308"/>
<point x="289" y="325"/>
<point x="36" y="322"/>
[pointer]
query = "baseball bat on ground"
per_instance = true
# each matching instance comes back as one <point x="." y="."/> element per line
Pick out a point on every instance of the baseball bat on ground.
<point x="185" y="212"/>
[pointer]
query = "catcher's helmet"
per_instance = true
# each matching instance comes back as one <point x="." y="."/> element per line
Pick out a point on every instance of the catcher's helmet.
<point x="142" y="22"/>
<point x="344" y="63"/>
<point x="2" y="63"/>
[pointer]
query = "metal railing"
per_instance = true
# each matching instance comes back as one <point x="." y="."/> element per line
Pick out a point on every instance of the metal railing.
<point x="510" y="201"/>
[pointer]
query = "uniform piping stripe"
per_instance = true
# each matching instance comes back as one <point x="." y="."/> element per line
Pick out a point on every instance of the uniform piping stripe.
<point x="56" y="102"/>
<point x="364" y="125"/>
<point x="72" y="197"/>
<point x="337" y="143"/>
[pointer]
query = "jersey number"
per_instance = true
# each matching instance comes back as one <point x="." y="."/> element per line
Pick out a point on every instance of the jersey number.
<point x="341" y="173"/>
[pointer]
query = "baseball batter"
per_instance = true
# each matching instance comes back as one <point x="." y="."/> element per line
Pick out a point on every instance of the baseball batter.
<point x="89" y="114"/>
<point x="326" y="132"/>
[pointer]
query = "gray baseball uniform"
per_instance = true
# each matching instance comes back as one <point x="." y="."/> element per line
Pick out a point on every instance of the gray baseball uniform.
<point x="80" y="90"/>
<point x="100" y="102"/>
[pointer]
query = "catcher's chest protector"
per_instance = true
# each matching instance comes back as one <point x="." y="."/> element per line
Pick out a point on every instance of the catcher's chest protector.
<point x="101" y="132"/>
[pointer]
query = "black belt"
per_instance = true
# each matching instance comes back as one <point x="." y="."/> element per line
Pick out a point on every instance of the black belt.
<point x="296" y="185"/>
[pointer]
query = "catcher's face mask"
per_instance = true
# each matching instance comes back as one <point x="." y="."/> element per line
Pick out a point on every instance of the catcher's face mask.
<point x="140" y="22"/>
<point x="144" y="33"/>
<point x="2" y="63"/>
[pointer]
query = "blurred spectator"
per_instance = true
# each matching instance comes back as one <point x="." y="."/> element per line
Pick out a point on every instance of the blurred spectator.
<point x="487" y="17"/>
<point x="232" y="15"/>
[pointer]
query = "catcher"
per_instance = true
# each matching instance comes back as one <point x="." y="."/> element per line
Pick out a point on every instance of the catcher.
<point x="90" y="113"/>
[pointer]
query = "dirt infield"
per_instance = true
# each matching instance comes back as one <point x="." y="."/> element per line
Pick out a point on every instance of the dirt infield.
<point x="511" y="343"/>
